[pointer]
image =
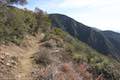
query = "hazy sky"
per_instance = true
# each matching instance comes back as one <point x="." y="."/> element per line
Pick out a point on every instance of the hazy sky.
<point x="103" y="14"/>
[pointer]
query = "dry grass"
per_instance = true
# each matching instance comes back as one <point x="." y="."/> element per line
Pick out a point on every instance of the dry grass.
<point x="65" y="71"/>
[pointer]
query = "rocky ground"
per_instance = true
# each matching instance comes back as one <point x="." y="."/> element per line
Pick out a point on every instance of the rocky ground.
<point x="35" y="59"/>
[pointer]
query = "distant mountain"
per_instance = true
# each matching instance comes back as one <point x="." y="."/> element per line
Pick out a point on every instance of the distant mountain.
<point x="112" y="35"/>
<point x="114" y="38"/>
<point x="106" y="42"/>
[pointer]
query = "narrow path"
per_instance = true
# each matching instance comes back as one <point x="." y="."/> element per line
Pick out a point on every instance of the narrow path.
<point x="26" y="65"/>
<point x="25" y="68"/>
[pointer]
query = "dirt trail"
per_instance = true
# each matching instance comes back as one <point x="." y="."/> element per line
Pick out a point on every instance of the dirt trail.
<point x="26" y="65"/>
<point x="25" y="69"/>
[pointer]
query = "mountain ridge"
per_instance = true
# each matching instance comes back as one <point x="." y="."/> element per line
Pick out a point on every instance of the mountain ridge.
<point x="97" y="39"/>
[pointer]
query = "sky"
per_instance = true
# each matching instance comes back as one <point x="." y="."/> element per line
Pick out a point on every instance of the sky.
<point x="101" y="14"/>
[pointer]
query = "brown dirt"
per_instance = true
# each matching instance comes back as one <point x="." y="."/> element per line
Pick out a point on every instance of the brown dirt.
<point x="23" y="54"/>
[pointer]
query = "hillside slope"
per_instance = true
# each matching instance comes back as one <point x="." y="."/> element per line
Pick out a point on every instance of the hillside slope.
<point x="114" y="38"/>
<point x="95" y="38"/>
<point x="52" y="56"/>
<point x="31" y="50"/>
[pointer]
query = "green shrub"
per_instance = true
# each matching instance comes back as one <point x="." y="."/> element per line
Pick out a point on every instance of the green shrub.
<point x="16" y="23"/>
<point x="42" y="57"/>
<point x="58" y="31"/>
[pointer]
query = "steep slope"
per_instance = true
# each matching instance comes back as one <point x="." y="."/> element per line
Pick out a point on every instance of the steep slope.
<point x="114" y="38"/>
<point x="112" y="34"/>
<point x="30" y="50"/>
<point x="55" y="56"/>
<point x="93" y="37"/>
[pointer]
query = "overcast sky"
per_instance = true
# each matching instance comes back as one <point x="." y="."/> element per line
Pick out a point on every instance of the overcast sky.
<point x="102" y="14"/>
